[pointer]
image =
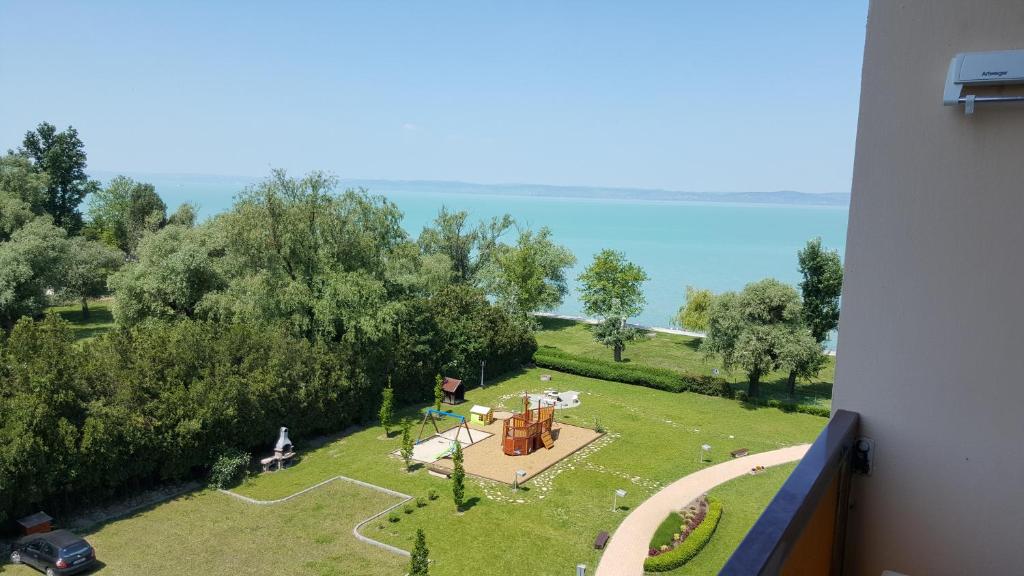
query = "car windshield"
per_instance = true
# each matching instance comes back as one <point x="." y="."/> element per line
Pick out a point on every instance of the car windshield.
<point x="75" y="549"/>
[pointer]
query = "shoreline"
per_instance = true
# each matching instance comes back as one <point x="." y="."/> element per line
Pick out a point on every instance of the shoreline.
<point x="676" y="331"/>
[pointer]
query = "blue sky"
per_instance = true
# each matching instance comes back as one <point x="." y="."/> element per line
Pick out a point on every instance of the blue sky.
<point x="684" y="95"/>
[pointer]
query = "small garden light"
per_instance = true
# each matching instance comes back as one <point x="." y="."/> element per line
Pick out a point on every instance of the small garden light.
<point x="620" y="493"/>
<point x="515" y="479"/>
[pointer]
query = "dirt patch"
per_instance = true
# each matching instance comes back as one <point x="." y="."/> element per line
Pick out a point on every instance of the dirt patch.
<point x="487" y="460"/>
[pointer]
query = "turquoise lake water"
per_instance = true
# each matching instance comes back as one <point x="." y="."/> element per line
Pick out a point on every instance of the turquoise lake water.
<point x="720" y="246"/>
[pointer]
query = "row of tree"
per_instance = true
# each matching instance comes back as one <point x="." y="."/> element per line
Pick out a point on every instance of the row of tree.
<point x="47" y="247"/>
<point x="769" y="326"/>
<point x="294" y="307"/>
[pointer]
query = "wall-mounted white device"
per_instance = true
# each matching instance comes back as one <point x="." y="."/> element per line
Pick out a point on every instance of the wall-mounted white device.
<point x="967" y="69"/>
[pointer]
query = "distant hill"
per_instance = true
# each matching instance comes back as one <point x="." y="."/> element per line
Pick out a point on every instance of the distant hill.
<point x="233" y="184"/>
<point x="538" y="190"/>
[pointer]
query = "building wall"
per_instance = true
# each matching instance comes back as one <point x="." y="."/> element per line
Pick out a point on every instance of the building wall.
<point x="931" y="348"/>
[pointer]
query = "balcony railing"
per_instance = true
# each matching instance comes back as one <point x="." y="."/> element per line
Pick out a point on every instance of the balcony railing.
<point x="803" y="529"/>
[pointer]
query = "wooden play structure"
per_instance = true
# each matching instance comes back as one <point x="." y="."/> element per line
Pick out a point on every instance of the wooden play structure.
<point x="529" y="430"/>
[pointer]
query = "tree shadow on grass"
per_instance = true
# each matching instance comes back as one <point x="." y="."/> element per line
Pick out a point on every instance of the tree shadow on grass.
<point x="469" y="504"/>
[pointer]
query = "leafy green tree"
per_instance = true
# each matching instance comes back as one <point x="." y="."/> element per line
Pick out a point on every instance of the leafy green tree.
<point x="43" y="396"/>
<point x="752" y="330"/>
<point x="529" y="276"/>
<point x="14" y="214"/>
<point x="176" y="268"/>
<point x="387" y="408"/>
<point x="612" y="291"/>
<point x="32" y="261"/>
<point x="61" y="156"/>
<point x="458" y="477"/>
<point x="125" y="210"/>
<point x="419" y="563"/>
<point x="438" y="391"/>
<point x="468" y="249"/>
<point x="185" y="215"/>
<point x="821" y="288"/>
<point x="694" y="315"/>
<point x="20" y="179"/>
<point x="89" y="264"/>
<point x="615" y="333"/>
<point x="802" y="356"/>
<point x="407" y="442"/>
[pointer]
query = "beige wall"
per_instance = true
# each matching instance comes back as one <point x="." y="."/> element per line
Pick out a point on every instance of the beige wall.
<point x="931" y="347"/>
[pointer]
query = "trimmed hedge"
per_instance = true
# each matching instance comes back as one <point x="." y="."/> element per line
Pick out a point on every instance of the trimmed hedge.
<point x="693" y="544"/>
<point x="660" y="379"/>
<point x="657" y="378"/>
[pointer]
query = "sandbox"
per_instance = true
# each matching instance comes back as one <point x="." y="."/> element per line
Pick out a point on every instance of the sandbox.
<point x="440" y="445"/>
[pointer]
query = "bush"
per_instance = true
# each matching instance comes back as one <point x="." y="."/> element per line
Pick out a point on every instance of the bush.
<point x="657" y="378"/>
<point x="229" y="468"/>
<point x="393" y="517"/>
<point x="420" y="502"/>
<point x="660" y="379"/>
<point x="408" y="509"/>
<point x="693" y="544"/>
<point x="432" y="494"/>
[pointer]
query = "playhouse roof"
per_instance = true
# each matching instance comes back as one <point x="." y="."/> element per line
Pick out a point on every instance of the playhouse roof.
<point x="451" y="384"/>
<point x="478" y="409"/>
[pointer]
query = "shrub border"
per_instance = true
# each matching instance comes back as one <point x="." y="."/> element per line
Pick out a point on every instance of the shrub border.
<point x="659" y="379"/>
<point x="690" y="547"/>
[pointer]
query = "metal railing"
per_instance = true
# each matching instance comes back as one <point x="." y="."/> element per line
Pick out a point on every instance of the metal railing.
<point x="803" y="529"/>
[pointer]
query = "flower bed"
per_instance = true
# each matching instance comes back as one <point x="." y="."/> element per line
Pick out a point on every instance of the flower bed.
<point x="701" y="520"/>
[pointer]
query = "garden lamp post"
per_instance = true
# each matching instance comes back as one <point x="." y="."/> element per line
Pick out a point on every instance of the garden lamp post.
<point x="515" y="479"/>
<point x="705" y="451"/>
<point x="482" y="363"/>
<point x="615" y="499"/>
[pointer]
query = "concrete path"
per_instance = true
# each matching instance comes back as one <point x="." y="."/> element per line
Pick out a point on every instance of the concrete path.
<point x="627" y="548"/>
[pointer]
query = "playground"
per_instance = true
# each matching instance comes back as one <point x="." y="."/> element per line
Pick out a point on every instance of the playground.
<point x="486" y="459"/>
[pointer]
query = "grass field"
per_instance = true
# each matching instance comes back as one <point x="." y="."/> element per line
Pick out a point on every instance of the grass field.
<point x="214" y="534"/>
<point x="100" y="318"/>
<point x="545" y="528"/>
<point x="679" y="353"/>
<point x="742" y="499"/>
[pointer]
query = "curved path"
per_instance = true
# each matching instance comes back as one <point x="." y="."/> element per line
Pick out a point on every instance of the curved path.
<point x="626" y="550"/>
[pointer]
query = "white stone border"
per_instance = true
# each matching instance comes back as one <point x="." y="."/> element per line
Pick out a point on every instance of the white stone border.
<point x="355" y="530"/>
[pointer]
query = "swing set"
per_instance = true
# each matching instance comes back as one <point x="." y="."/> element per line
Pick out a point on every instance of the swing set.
<point x="429" y="415"/>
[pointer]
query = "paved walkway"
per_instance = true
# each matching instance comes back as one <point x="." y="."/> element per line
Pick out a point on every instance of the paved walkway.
<point x="627" y="548"/>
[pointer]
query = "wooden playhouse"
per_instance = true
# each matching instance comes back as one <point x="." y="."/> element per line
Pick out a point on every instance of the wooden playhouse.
<point x="529" y="430"/>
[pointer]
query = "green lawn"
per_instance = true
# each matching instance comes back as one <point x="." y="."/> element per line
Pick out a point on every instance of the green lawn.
<point x="546" y="528"/>
<point x="214" y="534"/>
<point x="742" y="500"/>
<point x="679" y="353"/>
<point x="100" y="318"/>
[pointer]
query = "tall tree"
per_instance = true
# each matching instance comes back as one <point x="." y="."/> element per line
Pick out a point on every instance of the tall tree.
<point x="696" y="311"/>
<point x="32" y="261"/>
<point x="61" y="156"/>
<point x="438" y="391"/>
<point x="419" y="562"/>
<point x="821" y="288"/>
<point x="468" y="248"/>
<point x="407" y="443"/>
<point x="387" y="408"/>
<point x="89" y="264"/>
<point x="612" y="290"/>
<point x="458" y="477"/>
<point x="529" y="276"/>
<point x="753" y="330"/>
<point x="125" y="210"/>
